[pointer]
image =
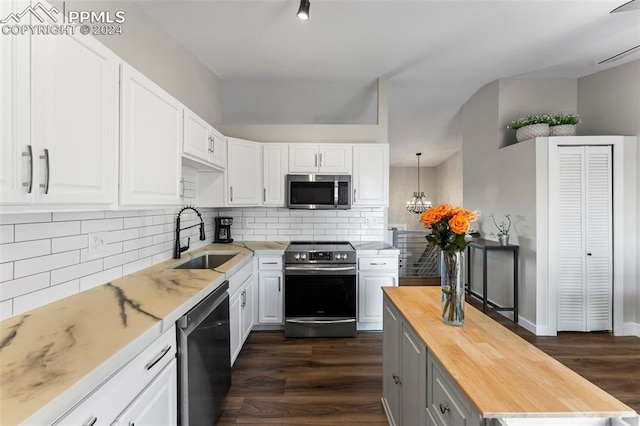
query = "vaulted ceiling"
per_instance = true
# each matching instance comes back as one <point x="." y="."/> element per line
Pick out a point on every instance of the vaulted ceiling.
<point x="435" y="54"/>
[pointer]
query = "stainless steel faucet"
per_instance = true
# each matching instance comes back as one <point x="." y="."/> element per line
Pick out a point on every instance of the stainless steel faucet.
<point x="177" y="250"/>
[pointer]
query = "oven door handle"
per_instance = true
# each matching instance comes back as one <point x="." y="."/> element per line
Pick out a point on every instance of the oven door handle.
<point x="317" y="269"/>
<point x="310" y="321"/>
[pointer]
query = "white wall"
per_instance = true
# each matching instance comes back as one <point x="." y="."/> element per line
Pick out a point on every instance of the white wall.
<point x="609" y="104"/>
<point x="150" y="50"/>
<point x="403" y="182"/>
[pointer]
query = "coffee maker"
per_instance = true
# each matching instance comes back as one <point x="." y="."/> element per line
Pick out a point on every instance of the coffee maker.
<point x="223" y="230"/>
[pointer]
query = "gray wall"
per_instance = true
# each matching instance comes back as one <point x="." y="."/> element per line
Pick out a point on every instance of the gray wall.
<point x="449" y="180"/>
<point x="609" y="104"/>
<point x="499" y="176"/>
<point x="154" y="53"/>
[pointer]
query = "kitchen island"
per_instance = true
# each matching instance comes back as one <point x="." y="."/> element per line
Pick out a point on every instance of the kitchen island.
<point x="53" y="356"/>
<point x="478" y="374"/>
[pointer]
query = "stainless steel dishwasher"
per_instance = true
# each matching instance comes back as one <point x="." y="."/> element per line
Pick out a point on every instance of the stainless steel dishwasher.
<point x="204" y="359"/>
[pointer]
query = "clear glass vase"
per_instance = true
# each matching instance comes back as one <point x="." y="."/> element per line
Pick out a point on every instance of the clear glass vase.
<point x="452" y="286"/>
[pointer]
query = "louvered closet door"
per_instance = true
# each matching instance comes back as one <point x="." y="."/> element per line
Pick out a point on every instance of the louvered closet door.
<point x="585" y="244"/>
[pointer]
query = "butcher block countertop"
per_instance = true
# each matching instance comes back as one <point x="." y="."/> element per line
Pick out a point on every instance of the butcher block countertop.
<point x="500" y="373"/>
<point x="54" y="355"/>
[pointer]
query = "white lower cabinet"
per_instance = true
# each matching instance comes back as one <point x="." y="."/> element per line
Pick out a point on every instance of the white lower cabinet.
<point x="404" y="382"/>
<point x="270" y="291"/>
<point x="374" y="272"/>
<point x="240" y="308"/>
<point x="132" y="389"/>
<point x="157" y="404"/>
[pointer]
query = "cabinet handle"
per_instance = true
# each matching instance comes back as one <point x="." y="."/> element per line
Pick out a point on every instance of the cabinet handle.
<point x="444" y="408"/>
<point x="158" y="357"/>
<point x="264" y="194"/>
<point x="315" y="160"/>
<point x="378" y="264"/>
<point x="244" y="298"/>
<point x="92" y="421"/>
<point x="588" y="254"/>
<point x="231" y="193"/>
<point x="45" y="157"/>
<point x="211" y="144"/>
<point x="320" y="159"/>
<point x="354" y="195"/>
<point x="269" y="263"/>
<point x="396" y="379"/>
<point x="182" y="189"/>
<point x="279" y="287"/>
<point x="394" y="281"/>
<point x="29" y="154"/>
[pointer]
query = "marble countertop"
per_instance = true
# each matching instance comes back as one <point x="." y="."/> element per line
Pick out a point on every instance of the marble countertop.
<point x="53" y="356"/>
<point x="374" y="248"/>
<point x="501" y="374"/>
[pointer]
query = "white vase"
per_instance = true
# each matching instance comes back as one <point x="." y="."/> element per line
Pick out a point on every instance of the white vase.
<point x="563" y="130"/>
<point x="532" y="131"/>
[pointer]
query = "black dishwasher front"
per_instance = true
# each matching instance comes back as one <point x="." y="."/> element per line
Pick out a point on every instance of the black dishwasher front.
<point x="204" y="359"/>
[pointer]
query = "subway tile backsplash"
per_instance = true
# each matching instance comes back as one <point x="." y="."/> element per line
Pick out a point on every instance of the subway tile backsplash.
<point x="45" y="256"/>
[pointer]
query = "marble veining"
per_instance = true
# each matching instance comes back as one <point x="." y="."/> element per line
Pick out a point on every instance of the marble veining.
<point x="47" y="351"/>
<point x="124" y="301"/>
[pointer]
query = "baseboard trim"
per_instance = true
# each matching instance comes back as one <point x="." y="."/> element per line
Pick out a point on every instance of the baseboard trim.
<point x="631" y="329"/>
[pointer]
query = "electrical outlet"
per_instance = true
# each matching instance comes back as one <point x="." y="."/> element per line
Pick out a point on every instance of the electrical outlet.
<point x="369" y="220"/>
<point x="245" y="221"/>
<point x="97" y="243"/>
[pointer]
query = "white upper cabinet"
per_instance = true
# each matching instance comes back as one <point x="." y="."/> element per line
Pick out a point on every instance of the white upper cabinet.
<point x="151" y="142"/>
<point x="202" y="143"/>
<point x="370" y="175"/>
<point x="244" y="173"/>
<point x="59" y="129"/>
<point x="275" y="163"/>
<point x="327" y="158"/>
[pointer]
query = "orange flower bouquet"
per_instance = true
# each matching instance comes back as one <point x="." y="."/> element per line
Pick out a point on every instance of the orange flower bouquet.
<point x="449" y="226"/>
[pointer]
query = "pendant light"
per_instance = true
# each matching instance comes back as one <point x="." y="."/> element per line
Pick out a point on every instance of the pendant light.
<point x="303" y="12"/>
<point x="418" y="203"/>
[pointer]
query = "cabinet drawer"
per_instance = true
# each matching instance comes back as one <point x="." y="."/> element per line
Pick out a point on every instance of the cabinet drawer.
<point x="446" y="408"/>
<point x="238" y="278"/>
<point x="378" y="263"/>
<point x="270" y="263"/>
<point x="104" y="405"/>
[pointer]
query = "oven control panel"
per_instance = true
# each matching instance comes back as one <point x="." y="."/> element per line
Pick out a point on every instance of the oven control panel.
<point x="322" y="256"/>
<point x="319" y="257"/>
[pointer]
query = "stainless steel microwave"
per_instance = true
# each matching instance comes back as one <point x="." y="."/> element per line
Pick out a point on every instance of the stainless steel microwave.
<point x="318" y="192"/>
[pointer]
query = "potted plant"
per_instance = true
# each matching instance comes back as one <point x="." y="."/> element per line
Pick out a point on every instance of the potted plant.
<point x="503" y="229"/>
<point x="531" y="126"/>
<point x="563" y="125"/>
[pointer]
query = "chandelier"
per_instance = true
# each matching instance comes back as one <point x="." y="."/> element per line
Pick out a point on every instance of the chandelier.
<point x="418" y="202"/>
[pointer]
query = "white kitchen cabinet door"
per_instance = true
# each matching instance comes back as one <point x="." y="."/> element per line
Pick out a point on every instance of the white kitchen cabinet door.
<point x="15" y="140"/>
<point x="371" y="175"/>
<point x="270" y="297"/>
<point x="244" y="173"/>
<point x="247" y="308"/>
<point x="275" y="163"/>
<point x="326" y="158"/>
<point x="370" y="295"/>
<point x="157" y="404"/>
<point x="197" y="141"/>
<point x="235" y="324"/>
<point x="218" y="155"/>
<point x="74" y="119"/>
<point x="151" y="143"/>
<point x="585" y="246"/>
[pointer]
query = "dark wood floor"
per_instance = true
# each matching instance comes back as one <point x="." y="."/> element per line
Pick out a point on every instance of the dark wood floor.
<point x="338" y="381"/>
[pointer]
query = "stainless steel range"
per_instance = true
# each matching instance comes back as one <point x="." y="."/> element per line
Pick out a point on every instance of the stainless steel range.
<point x="320" y="289"/>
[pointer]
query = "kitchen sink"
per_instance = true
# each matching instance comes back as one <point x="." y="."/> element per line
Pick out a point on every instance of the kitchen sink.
<point x="206" y="261"/>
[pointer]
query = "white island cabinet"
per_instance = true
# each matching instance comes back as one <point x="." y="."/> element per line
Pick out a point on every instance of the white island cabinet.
<point x="478" y="374"/>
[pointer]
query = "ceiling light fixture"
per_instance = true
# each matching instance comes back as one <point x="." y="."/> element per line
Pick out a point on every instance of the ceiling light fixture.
<point x="303" y="12"/>
<point x="418" y="203"/>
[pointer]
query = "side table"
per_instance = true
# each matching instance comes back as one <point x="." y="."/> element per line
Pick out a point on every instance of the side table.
<point x="485" y="246"/>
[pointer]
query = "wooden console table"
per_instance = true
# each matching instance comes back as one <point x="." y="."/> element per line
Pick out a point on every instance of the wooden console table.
<point x="485" y="246"/>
